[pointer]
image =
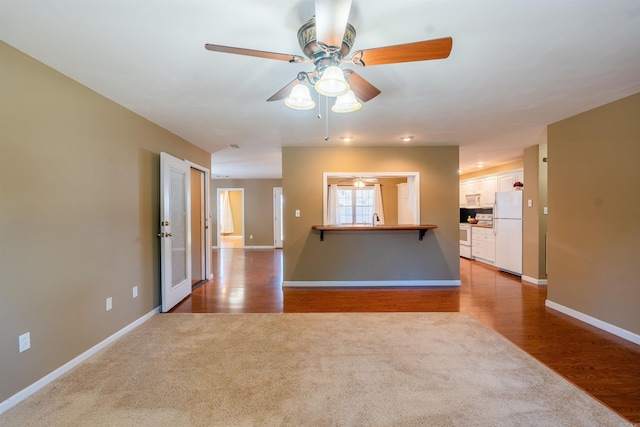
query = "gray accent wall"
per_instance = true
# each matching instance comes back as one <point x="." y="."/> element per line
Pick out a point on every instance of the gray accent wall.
<point x="258" y="208"/>
<point x="370" y="256"/>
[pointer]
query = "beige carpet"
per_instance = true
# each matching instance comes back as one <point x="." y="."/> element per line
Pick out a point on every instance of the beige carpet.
<point x="373" y="369"/>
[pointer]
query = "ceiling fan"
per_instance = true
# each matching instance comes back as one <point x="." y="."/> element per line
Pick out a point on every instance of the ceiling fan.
<point x="359" y="181"/>
<point x="326" y="40"/>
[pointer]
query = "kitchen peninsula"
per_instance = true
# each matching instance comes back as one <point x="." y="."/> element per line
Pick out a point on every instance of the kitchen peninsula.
<point x="364" y="255"/>
<point x="422" y="229"/>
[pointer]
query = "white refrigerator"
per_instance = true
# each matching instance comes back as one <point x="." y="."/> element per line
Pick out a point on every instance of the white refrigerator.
<point x="507" y="226"/>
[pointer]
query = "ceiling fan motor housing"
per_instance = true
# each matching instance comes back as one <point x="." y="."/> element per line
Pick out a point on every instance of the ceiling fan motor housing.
<point x="311" y="48"/>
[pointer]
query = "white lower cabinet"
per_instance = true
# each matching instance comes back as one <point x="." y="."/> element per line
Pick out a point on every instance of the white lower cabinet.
<point x="483" y="244"/>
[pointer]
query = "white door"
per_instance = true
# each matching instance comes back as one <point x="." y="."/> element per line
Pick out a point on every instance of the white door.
<point x="175" y="230"/>
<point x="277" y="217"/>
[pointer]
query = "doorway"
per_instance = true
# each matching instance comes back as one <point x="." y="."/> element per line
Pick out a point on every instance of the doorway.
<point x="230" y="229"/>
<point x="198" y="228"/>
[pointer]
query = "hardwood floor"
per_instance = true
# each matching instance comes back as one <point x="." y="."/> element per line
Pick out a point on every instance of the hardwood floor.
<point x="605" y="366"/>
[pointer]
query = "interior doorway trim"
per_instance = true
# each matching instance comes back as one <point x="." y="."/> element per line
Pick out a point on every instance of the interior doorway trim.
<point x="208" y="236"/>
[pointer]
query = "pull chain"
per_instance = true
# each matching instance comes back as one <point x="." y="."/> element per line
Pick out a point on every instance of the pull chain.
<point x="326" y="114"/>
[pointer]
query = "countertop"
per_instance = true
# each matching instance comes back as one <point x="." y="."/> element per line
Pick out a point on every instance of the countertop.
<point x="372" y="227"/>
<point x="422" y="229"/>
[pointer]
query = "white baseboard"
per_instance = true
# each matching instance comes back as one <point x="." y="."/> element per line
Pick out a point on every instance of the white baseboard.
<point x="534" y="280"/>
<point x="368" y="283"/>
<point x="23" y="394"/>
<point x="608" y="327"/>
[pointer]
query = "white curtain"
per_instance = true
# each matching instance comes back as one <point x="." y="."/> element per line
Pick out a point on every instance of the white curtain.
<point x="226" y="217"/>
<point x="412" y="198"/>
<point x="332" y="205"/>
<point x="377" y="203"/>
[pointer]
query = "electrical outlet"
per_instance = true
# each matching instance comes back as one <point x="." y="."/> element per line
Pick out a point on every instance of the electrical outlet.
<point x="24" y="342"/>
<point x="250" y="236"/>
<point x="135" y="292"/>
<point x="109" y="303"/>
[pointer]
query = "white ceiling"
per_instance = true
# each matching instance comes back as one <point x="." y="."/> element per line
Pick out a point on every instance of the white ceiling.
<point x="515" y="67"/>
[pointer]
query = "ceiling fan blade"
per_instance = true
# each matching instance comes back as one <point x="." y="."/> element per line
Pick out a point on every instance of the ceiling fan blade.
<point x="417" y="51"/>
<point x="256" y="53"/>
<point x="331" y="21"/>
<point x="361" y="87"/>
<point x="284" y="92"/>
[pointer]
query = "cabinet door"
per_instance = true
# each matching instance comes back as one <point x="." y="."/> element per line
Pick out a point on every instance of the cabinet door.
<point x="489" y="188"/>
<point x="466" y="187"/>
<point x="519" y="176"/>
<point x="490" y="247"/>
<point x="505" y="182"/>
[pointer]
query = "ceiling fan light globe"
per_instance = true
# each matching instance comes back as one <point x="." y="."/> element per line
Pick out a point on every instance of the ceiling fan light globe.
<point x="346" y="103"/>
<point x="332" y="82"/>
<point x="300" y="98"/>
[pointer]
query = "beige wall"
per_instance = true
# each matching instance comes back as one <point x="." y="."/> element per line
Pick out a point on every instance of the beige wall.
<point x="370" y="256"/>
<point x="534" y="220"/>
<point x="79" y="217"/>
<point x="593" y="213"/>
<point x="258" y="208"/>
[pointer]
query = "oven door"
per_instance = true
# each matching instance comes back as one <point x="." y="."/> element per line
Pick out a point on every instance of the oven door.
<point x="465" y="234"/>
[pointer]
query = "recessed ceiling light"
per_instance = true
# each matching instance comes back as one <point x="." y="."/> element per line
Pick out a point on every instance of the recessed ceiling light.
<point x="407" y="138"/>
<point x="480" y="164"/>
<point x="460" y="171"/>
<point x="346" y="138"/>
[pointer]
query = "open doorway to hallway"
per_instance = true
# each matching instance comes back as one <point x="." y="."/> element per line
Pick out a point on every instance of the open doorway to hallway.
<point x="230" y="228"/>
<point x="200" y="225"/>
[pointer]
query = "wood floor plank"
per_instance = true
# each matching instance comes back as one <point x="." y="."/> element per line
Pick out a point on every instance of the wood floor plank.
<point x="602" y="364"/>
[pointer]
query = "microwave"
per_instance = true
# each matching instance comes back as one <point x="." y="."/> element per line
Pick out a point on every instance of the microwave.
<point x="473" y="199"/>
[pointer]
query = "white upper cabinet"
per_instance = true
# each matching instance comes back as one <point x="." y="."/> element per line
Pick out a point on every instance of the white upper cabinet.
<point x="488" y="193"/>
<point x="506" y="180"/>
<point x="486" y="187"/>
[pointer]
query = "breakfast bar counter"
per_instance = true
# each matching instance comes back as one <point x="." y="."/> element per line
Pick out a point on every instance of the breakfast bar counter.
<point x="422" y="229"/>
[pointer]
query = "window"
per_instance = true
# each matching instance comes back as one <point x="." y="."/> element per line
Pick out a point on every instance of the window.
<point x="355" y="205"/>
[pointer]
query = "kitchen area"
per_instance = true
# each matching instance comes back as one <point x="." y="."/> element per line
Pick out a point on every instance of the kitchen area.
<point x="491" y="220"/>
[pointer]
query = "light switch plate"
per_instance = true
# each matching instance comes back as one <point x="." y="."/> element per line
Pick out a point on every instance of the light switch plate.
<point x="545" y="210"/>
<point x="297" y="213"/>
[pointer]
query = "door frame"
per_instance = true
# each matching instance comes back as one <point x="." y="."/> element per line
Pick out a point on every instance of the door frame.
<point x="218" y="191"/>
<point x="208" y="214"/>
<point x="277" y="218"/>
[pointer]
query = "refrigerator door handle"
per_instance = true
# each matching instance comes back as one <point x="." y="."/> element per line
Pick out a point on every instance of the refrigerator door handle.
<point x="493" y="223"/>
